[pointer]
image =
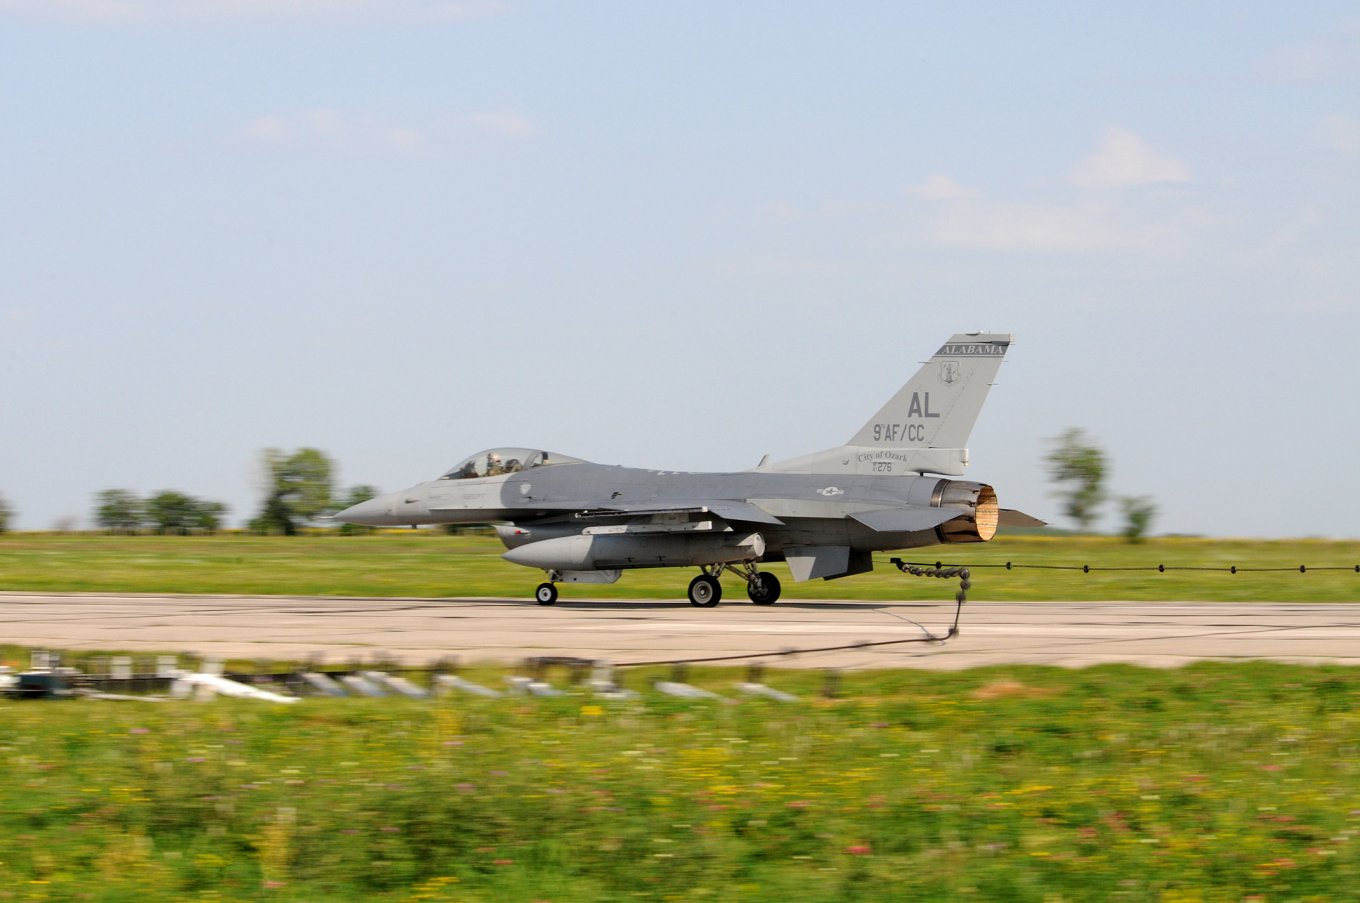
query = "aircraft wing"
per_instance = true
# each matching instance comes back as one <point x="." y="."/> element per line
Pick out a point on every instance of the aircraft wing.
<point x="728" y="510"/>
<point x="906" y="520"/>
<point x="744" y="512"/>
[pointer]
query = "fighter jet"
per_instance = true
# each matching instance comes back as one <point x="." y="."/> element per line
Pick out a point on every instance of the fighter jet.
<point x="823" y="514"/>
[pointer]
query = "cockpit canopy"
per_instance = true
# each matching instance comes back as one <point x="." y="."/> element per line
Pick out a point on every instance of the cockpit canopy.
<point x="496" y="461"/>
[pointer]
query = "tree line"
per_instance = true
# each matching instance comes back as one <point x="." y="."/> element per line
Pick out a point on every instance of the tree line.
<point x="168" y="511"/>
<point x="299" y="488"/>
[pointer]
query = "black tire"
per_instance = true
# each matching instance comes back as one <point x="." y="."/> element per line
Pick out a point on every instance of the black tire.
<point x="705" y="591"/>
<point x="764" y="589"/>
<point x="546" y="594"/>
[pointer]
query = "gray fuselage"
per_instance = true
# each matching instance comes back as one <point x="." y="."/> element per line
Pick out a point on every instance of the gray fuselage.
<point x="788" y="510"/>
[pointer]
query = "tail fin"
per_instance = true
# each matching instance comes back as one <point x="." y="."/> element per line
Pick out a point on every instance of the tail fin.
<point x="939" y="405"/>
<point x="924" y="427"/>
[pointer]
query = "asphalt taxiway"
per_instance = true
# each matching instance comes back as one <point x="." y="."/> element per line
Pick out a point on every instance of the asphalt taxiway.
<point x="421" y="631"/>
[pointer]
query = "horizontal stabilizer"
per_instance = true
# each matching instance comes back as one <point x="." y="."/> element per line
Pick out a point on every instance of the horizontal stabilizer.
<point x="1012" y="518"/>
<point x="906" y="520"/>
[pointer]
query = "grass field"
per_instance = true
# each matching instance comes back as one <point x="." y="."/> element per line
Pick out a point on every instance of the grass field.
<point x="1212" y="782"/>
<point x="427" y="564"/>
<point x="1215" y="782"/>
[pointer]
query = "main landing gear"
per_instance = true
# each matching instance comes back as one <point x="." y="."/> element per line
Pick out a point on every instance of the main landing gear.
<point x="763" y="588"/>
<point x="705" y="591"/>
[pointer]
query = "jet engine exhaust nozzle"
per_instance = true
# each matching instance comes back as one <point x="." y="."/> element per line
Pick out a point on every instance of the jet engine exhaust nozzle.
<point x="980" y="525"/>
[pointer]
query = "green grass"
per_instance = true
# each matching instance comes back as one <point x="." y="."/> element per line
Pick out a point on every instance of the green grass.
<point x="425" y="564"/>
<point x="1214" y="782"/>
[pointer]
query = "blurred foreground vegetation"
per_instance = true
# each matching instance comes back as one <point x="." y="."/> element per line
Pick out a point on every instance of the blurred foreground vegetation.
<point x="1213" y="782"/>
<point x="434" y="564"/>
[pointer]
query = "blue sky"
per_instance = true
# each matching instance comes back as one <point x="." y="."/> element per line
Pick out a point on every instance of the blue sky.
<point x="678" y="235"/>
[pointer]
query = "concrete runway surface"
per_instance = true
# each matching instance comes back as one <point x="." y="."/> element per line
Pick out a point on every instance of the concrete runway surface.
<point x="421" y="631"/>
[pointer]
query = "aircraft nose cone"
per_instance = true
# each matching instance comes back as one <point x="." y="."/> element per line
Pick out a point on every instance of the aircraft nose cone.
<point x="372" y="513"/>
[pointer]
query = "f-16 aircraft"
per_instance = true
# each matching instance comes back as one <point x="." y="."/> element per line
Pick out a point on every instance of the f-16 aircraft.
<point x="823" y="514"/>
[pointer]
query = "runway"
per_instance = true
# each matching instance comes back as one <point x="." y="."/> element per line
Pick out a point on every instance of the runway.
<point x="421" y="631"/>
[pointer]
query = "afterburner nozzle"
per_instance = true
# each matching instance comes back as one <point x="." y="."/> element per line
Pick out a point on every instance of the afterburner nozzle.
<point x="977" y="526"/>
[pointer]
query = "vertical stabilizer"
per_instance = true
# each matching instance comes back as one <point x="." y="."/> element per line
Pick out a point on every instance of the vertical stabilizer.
<point x="924" y="428"/>
<point x="939" y="405"/>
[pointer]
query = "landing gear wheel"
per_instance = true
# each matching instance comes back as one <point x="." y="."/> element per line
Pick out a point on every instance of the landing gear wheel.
<point x="705" y="591"/>
<point x="763" y="589"/>
<point x="546" y="594"/>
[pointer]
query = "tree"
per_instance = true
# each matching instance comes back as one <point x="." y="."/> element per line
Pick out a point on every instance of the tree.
<point x="274" y="517"/>
<point x="208" y="516"/>
<point x="172" y="512"/>
<point x="6" y="512"/>
<point x="1078" y="467"/>
<point x="298" y="488"/>
<point x="1138" y="514"/>
<point x="354" y="496"/>
<point x="119" y="511"/>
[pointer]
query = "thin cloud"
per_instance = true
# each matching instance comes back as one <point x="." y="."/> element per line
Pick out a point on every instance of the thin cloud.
<point x="113" y="11"/>
<point x="1124" y="160"/>
<point x="940" y="187"/>
<point x="1335" y="56"/>
<point x="993" y="226"/>
<point x="1090" y="218"/>
<point x="333" y="132"/>
<point x="1340" y="133"/>
<point x="499" y="124"/>
<point x="1077" y="227"/>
